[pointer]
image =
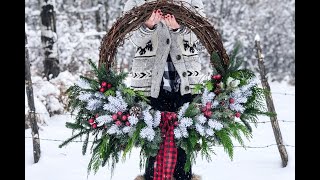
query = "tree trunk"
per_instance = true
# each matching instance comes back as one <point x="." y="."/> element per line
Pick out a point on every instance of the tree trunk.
<point x="270" y="105"/>
<point x="49" y="39"/>
<point x="106" y="8"/>
<point x="99" y="26"/>
<point x="32" y="115"/>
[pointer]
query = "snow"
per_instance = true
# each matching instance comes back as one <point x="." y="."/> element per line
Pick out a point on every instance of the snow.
<point x="250" y="164"/>
<point x="257" y="37"/>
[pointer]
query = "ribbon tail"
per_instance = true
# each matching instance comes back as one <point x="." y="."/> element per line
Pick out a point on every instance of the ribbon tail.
<point x="166" y="158"/>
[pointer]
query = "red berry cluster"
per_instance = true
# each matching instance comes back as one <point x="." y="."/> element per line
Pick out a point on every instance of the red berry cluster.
<point x="92" y="122"/>
<point x="121" y="118"/>
<point x="217" y="79"/>
<point x="105" y="86"/>
<point x="206" y="110"/>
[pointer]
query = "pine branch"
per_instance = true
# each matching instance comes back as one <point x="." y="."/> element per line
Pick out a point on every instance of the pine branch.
<point x="105" y="150"/>
<point x="133" y="139"/>
<point x="93" y="83"/>
<point x="74" y="137"/>
<point x="93" y="159"/>
<point x="226" y="142"/>
<point x="74" y="126"/>
<point x="94" y="67"/>
<point x="218" y="64"/>
<point x="192" y="111"/>
<point x="234" y="61"/>
<point x="246" y="123"/>
<point x="85" y="144"/>
<point x="205" y="150"/>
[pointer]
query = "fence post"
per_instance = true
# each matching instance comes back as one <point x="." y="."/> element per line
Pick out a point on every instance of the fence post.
<point x="32" y="115"/>
<point x="270" y="105"/>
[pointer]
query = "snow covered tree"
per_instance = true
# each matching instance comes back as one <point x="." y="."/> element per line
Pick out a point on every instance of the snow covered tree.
<point x="273" y="20"/>
<point x="98" y="14"/>
<point x="49" y="38"/>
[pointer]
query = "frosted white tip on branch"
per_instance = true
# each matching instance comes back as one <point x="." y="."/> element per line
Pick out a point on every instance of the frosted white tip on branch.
<point x="147" y="117"/>
<point x="93" y="104"/>
<point x="115" y="104"/>
<point x="85" y="96"/>
<point x="186" y="122"/>
<point x="183" y="110"/>
<point x="147" y="133"/>
<point x="101" y="120"/>
<point x="215" y="124"/>
<point x="257" y="37"/>
<point x="200" y="129"/>
<point x="114" y="129"/>
<point x="133" y="120"/>
<point x="207" y="97"/>
<point x="201" y="119"/>
<point x="157" y="118"/>
<point x="83" y="84"/>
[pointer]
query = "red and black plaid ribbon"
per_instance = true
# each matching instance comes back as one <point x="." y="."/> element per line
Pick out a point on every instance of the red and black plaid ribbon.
<point x="166" y="158"/>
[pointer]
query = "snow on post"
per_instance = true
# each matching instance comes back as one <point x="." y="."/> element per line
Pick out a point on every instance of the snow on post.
<point x="257" y="37"/>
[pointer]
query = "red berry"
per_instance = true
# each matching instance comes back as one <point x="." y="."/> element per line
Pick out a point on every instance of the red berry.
<point x="119" y="113"/>
<point x="208" y="113"/>
<point x="94" y="126"/>
<point x="208" y="105"/>
<point x="109" y="86"/>
<point x="103" y="84"/>
<point x="118" y="123"/>
<point x="203" y="109"/>
<point x="213" y="77"/>
<point x="124" y="117"/>
<point x="218" y="76"/>
<point x="102" y="90"/>
<point x="114" y="117"/>
<point x="91" y="121"/>
<point x="176" y="123"/>
<point x="128" y="123"/>
<point x="231" y="100"/>
<point x="237" y="114"/>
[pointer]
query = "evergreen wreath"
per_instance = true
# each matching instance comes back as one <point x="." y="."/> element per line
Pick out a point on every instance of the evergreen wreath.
<point x="119" y="118"/>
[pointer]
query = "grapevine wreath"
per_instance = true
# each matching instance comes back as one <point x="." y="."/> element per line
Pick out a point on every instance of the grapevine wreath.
<point x="119" y="118"/>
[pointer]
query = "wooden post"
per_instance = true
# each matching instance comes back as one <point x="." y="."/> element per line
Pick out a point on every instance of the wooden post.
<point x="270" y="105"/>
<point x="32" y="115"/>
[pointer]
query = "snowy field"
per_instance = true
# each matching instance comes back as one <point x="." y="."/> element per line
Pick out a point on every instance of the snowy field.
<point x="251" y="164"/>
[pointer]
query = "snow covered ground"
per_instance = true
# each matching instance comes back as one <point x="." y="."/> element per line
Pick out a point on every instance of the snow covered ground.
<point x="251" y="164"/>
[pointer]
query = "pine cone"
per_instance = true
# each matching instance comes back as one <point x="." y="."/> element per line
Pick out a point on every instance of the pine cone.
<point x="136" y="111"/>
